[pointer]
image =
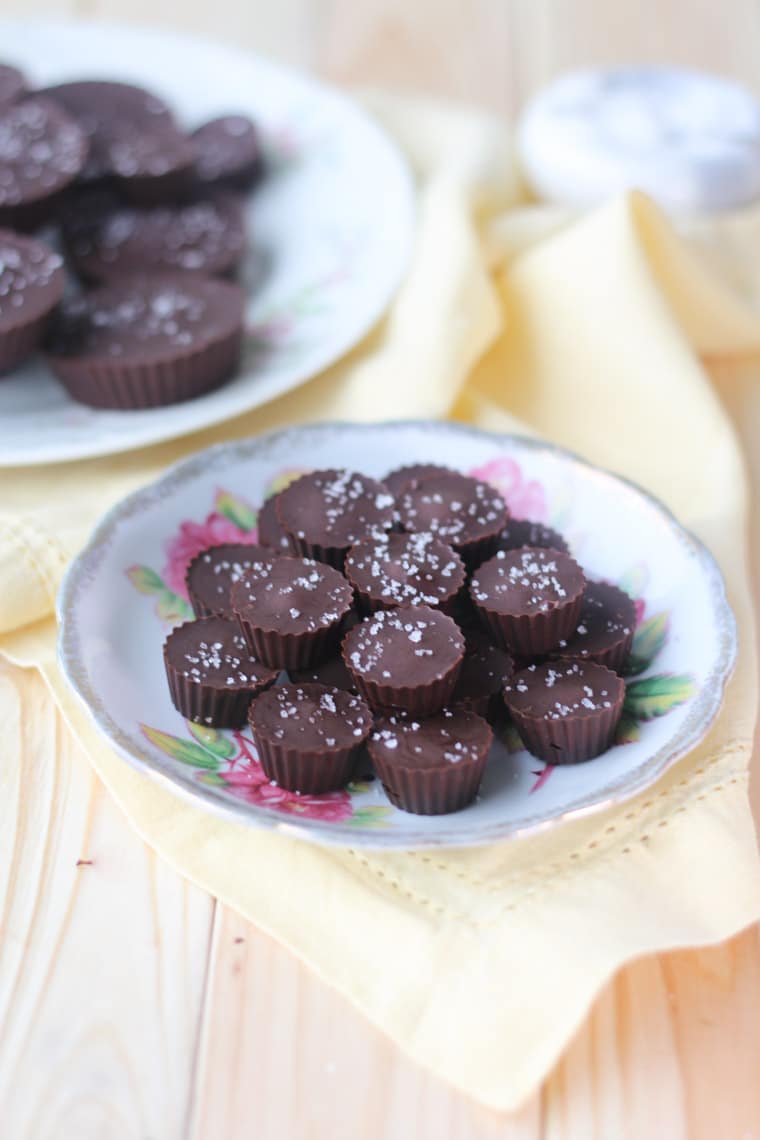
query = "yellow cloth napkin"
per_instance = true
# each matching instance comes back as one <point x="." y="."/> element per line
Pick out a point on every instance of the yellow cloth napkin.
<point x="481" y="963"/>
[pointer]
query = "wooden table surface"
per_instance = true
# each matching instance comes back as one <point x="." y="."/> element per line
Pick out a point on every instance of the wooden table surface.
<point x="134" y="1007"/>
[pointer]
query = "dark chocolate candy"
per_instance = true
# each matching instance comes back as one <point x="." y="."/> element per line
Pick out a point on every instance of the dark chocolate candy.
<point x="106" y="238"/>
<point x="464" y="512"/>
<point x="31" y="285"/>
<point x="565" y="711"/>
<point x="401" y="477"/>
<point x="484" y="673"/>
<point x="332" y="672"/>
<point x="133" y="137"/>
<point x="389" y="570"/>
<point x="309" y="736"/>
<point x="270" y="531"/>
<point x="227" y="152"/>
<point x="523" y="532"/>
<point x="148" y="340"/>
<point x="211" y="673"/>
<point x="530" y="598"/>
<point x="407" y="658"/>
<point x="605" y="628"/>
<point x="42" y="150"/>
<point x="212" y="574"/>
<point x="326" y="512"/>
<point x="292" y="610"/>
<point x="431" y="766"/>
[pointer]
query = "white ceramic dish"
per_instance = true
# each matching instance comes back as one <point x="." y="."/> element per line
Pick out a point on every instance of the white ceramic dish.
<point x="331" y="228"/>
<point x="124" y="592"/>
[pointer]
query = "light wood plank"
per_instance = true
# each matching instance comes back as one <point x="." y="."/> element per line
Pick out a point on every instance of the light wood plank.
<point x="103" y="953"/>
<point x="457" y="49"/>
<point x="284" y="30"/>
<point x="671" y="1049"/>
<point x="284" y="1056"/>
<point x="554" y="35"/>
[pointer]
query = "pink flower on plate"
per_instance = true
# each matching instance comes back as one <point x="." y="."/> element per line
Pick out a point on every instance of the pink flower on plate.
<point x="191" y="539"/>
<point x="251" y="784"/>
<point x="524" y="497"/>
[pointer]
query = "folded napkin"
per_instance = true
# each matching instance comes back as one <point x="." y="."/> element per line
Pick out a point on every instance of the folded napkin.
<point x="481" y="963"/>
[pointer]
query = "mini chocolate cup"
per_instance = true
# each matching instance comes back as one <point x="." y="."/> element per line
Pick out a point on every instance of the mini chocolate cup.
<point x="430" y="791"/>
<point x="570" y="739"/>
<point x="308" y="771"/>
<point x="613" y="657"/>
<point x="129" y="385"/>
<point x="416" y="700"/>
<point x="291" y="650"/>
<point x="532" y="635"/>
<point x="18" y="343"/>
<point x="333" y="556"/>
<point x="24" y="325"/>
<point x="367" y="605"/>
<point x="478" y="550"/>
<point x="209" y="704"/>
<point x="222" y="609"/>
<point x="537" y="633"/>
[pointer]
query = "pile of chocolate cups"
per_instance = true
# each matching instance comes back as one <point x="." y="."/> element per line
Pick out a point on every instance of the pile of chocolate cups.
<point x="401" y="622"/>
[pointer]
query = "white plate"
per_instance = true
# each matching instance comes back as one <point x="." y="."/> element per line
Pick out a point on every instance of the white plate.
<point x="332" y="227"/>
<point x="124" y="592"/>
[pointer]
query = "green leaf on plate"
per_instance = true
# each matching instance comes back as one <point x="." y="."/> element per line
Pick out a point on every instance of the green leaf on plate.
<point x="655" y="696"/>
<point x="511" y="738"/>
<point x="145" y="580"/>
<point x="647" y="643"/>
<point x="283" y="479"/>
<point x="358" y="787"/>
<point x="172" y="608"/>
<point x="628" y="731"/>
<point x="186" y="751"/>
<point x="213" y="779"/>
<point x="212" y="740"/>
<point x="375" y="816"/>
<point x="236" y="510"/>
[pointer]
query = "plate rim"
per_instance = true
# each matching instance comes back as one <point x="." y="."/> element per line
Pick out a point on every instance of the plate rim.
<point x="87" y="561"/>
<point x="90" y="449"/>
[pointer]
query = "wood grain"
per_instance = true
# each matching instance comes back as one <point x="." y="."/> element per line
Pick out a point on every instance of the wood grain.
<point x="104" y="950"/>
<point x="131" y="1008"/>
<point x="267" y="1017"/>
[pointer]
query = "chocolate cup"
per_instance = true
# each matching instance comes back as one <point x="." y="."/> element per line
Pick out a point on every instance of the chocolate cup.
<point x="310" y="773"/>
<point x="613" y="658"/>
<point x="532" y="635"/>
<point x="291" y="651"/>
<point x="23" y="328"/>
<point x="430" y="791"/>
<point x="130" y="385"/>
<point x="417" y="700"/>
<point x="209" y="705"/>
<point x="333" y="556"/>
<point x="570" y="739"/>
<point x="222" y="609"/>
<point x="477" y="551"/>
<point x="367" y="605"/>
<point x="607" y="602"/>
<point x="18" y="343"/>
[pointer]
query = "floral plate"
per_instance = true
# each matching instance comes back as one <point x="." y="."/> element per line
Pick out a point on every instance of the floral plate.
<point x="321" y="269"/>
<point x="126" y="590"/>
